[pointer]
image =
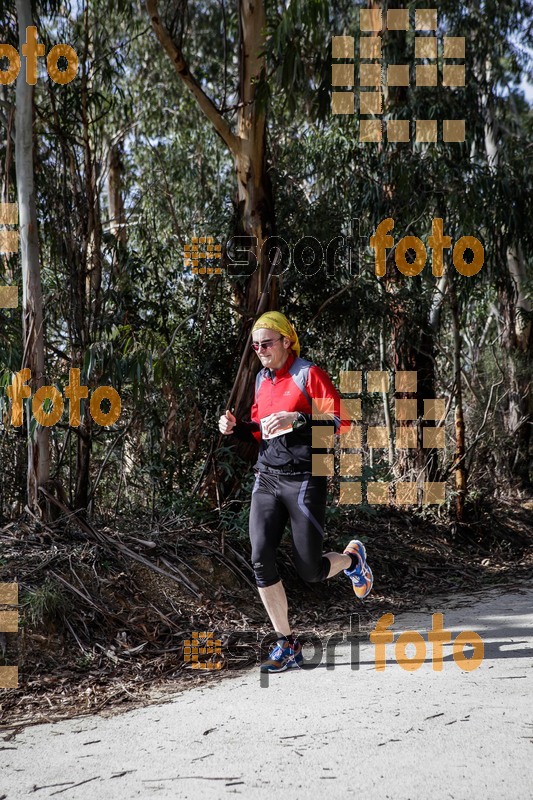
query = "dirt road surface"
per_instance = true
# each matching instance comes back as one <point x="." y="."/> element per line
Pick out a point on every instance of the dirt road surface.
<point x="336" y="733"/>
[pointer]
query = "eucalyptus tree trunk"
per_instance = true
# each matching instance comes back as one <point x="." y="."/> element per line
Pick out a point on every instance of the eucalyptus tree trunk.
<point x="247" y="148"/>
<point x="460" y="447"/>
<point x="90" y="283"/>
<point x="516" y="308"/>
<point x="385" y="397"/>
<point x="414" y="353"/>
<point x="38" y="471"/>
<point x="115" y="199"/>
<point x="412" y="330"/>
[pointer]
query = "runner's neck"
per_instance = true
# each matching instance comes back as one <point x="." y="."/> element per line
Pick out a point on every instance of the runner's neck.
<point x="277" y="373"/>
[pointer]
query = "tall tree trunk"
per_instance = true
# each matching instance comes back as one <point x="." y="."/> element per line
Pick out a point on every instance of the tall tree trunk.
<point x="90" y="331"/>
<point x="115" y="200"/>
<point x="518" y="340"/>
<point x="5" y="178"/>
<point x="461" y="487"/>
<point x="256" y="203"/>
<point x="32" y="300"/>
<point x="416" y="354"/>
<point x="117" y="217"/>
<point x="83" y="460"/>
<point x="247" y="147"/>
<point x="515" y="307"/>
<point x="385" y="395"/>
<point x="94" y="223"/>
<point x="410" y="352"/>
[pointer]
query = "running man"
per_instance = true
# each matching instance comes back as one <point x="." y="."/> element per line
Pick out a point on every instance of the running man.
<point x="285" y="488"/>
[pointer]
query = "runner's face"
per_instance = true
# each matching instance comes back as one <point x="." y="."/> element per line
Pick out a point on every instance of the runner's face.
<point x="275" y="356"/>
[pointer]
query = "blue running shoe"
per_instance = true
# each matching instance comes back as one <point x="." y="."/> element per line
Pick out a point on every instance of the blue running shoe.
<point x="361" y="575"/>
<point x="283" y="658"/>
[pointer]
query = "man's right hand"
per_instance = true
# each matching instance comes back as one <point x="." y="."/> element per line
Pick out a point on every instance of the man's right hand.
<point x="226" y="423"/>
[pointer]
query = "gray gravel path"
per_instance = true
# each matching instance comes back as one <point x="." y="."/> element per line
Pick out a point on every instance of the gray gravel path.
<point x="314" y="733"/>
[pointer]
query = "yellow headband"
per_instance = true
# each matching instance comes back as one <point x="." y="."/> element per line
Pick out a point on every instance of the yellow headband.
<point x="275" y="321"/>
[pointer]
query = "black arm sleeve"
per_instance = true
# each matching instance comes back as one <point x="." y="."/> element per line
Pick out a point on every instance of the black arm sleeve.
<point x="308" y="419"/>
<point x="243" y="430"/>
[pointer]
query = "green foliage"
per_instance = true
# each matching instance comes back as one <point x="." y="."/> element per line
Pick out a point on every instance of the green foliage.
<point x="45" y="604"/>
<point x="170" y="342"/>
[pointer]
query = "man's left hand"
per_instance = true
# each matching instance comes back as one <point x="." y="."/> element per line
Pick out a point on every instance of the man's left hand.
<point x="278" y="421"/>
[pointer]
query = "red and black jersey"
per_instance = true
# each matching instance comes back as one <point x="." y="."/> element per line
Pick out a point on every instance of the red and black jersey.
<point x="290" y="388"/>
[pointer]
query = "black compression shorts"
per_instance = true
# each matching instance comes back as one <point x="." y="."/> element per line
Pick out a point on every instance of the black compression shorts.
<point x="276" y="498"/>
